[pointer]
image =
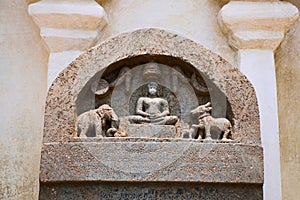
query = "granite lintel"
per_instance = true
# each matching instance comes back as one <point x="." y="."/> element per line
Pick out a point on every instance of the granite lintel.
<point x="256" y="25"/>
<point x="150" y="190"/>
<point x="152" y="161"/>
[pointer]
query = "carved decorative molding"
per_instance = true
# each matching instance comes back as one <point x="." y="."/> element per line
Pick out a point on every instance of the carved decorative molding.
<point x="68" y="28"/>
<point x="256" y="25"/>
<point x="68" y="25"/>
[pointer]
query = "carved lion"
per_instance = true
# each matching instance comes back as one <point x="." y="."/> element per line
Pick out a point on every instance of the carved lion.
<point x="207" y="123"/>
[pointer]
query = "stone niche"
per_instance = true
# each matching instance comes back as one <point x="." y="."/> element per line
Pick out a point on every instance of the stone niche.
<point x="151" y="115"/>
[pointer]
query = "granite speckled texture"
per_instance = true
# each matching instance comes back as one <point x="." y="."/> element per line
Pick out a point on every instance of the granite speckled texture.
<point x="61" y="101"/>
<point x="151" y="168"/>
<point x="174" y="161"/>
<point x="117" y="190"/>
<point x="152" y="131"/>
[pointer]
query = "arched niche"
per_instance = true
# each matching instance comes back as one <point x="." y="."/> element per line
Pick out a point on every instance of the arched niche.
<point x="177" y="79"/>
<point x="85" y="166"/>
<point x="140" y="47"/>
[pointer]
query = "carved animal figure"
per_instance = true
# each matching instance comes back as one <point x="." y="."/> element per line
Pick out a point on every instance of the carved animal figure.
<point x="100" y="122"/>
<point x="207" y="122"/>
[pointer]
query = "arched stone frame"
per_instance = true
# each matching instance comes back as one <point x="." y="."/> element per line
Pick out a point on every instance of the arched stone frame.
<point x="75" y="164"/>
<point x="60" y="105"/>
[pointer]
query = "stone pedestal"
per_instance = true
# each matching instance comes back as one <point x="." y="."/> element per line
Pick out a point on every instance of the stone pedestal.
<point x="150" y="163"/>
<point x="83" y="169"/>
<point x="158" y="190"/>
<point x="151" y="131"/>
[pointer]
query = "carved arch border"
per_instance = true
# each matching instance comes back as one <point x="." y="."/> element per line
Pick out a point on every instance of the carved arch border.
<point x="60" y="104"/>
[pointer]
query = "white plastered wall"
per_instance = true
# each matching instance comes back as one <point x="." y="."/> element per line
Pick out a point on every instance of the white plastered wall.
<point x="193" y="19"/>
<point x="288" y="87"/>
<point x="23" y="87"/>
<point x="247" y="25"/>
<point x="68" y="27"/>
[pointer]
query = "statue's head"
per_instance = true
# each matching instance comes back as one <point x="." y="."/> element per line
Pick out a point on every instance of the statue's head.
<point x="152" y="88"/>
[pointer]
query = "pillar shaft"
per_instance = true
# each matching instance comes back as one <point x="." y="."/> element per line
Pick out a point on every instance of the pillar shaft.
<point x="23" y="85"/>
<point x="256" y="29"/>
<point x="258" y="66"/>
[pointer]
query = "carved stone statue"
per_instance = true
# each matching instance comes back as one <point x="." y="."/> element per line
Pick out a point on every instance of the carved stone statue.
<point x="207" y="123"/>
<point x="153" y="109"/>
<point x="100" y="122"/>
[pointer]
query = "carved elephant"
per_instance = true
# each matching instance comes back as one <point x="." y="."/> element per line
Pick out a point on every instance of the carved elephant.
<point x="100" y="122"/>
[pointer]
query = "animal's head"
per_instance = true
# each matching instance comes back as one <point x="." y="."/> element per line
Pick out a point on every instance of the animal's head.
<point x="104" y="110"/>
<point x="200" y="110"/>
<point x="107" y="113"/>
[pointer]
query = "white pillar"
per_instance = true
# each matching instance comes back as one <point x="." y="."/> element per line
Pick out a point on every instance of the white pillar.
<point x="258" y="66"/>
<point x="256" y="29"/>
<point x="68" y="28"/>
<point x="23" y="88"/>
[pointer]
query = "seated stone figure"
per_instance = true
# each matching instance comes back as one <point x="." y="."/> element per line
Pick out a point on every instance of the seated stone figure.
<point x="153" y="109"/>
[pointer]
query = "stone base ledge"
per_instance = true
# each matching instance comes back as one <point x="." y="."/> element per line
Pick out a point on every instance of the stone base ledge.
<point x="142" y="161"/>
<point x="141" y="139"/>
<point x="129" y="190"/>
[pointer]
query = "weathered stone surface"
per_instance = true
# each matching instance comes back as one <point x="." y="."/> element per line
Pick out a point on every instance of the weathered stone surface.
<point x="151" y="131"/>
<point x="153" y="109"/>
<point x="101" y="122"/>
<point x="206" y="122"/>
<point x="131" y="160"/>
<point x="152" y="160"/>
<point x="117" y="190"/>
<point x="61" y="101"/>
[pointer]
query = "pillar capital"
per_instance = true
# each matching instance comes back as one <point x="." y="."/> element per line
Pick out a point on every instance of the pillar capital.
<point x="68" y="28"/>
<point x="68" y="25"/>
<point x="256" y="25"/>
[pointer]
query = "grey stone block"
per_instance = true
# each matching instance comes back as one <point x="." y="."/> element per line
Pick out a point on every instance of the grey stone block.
<point x="171" y="160"/>
<point x="151" y="131"/>
<point x="150" y="191"/>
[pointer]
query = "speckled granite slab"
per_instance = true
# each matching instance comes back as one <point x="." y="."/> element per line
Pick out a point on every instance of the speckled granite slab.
<point x="141" y="161"/>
